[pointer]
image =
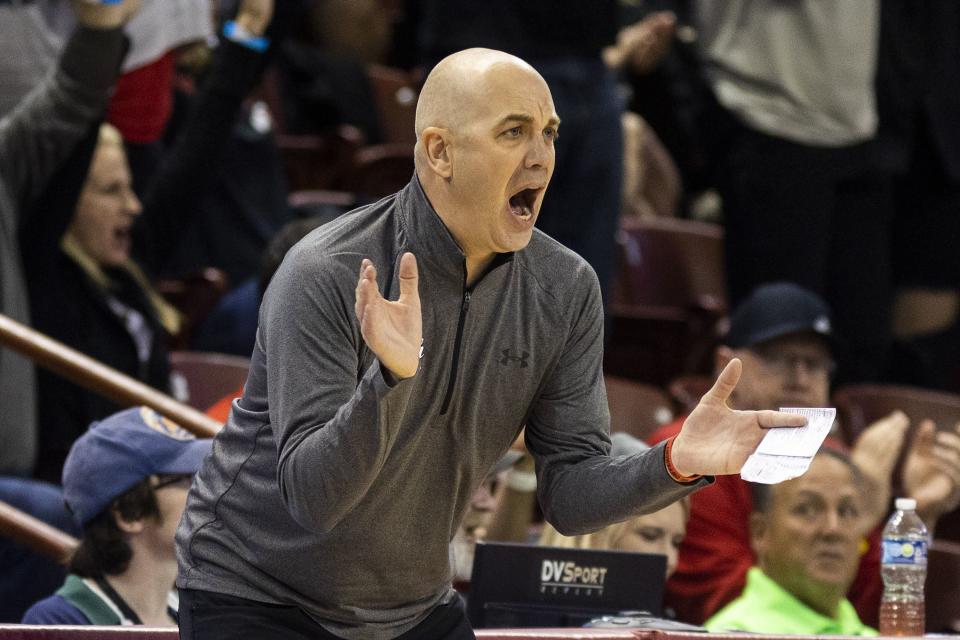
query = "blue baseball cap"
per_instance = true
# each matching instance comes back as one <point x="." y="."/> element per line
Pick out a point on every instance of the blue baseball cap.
<point x="119" y="451"/>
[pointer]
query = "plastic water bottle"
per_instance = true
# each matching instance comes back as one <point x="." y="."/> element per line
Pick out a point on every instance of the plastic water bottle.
<point x="904" y="569"/>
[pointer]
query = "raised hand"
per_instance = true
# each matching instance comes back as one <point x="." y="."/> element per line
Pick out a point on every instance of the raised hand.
<point x="254" y="16"/>
<point x="931" y="471"/>
<point x="97" y="15"/>
<point x="642" y="45"/>
<point x="875" y="453"/>
<point x="717" y="440"/>
<point x="392" y="330"/>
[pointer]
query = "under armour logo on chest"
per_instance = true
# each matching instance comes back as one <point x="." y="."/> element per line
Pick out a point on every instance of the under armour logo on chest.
<point x="506" y="358"/>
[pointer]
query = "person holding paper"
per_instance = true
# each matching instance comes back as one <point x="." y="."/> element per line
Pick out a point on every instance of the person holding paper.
<point x="785" y="339"/>
<point x="400" y="350"/>
<point x="804" y="533"/>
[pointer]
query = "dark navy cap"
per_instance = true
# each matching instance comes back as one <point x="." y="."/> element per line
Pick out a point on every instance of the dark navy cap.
<point x="778" y="309"/>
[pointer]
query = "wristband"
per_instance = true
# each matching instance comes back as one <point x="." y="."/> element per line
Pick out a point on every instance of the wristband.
<point x="233" y="31"/>
<point x="672" y="470"/>
<point x="522" y="481"/>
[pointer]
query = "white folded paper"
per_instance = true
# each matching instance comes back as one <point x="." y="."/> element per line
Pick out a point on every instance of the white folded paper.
<point x="786" y="452"/>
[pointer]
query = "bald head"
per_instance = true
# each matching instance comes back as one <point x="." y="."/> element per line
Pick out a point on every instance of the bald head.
<point x="485" y="127"/>
<point x="450" y="94"/>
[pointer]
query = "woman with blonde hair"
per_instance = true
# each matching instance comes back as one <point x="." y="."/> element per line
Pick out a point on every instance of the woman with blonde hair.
<point x="89" y="274"/>
<point x="660" y="532"/>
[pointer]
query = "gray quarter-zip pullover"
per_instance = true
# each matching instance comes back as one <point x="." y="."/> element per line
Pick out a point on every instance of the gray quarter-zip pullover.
<point x="333" y="491"/>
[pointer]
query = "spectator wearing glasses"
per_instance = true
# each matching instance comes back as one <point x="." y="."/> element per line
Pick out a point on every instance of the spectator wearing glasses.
<point x="125" y="481"/>
<point x="783" y="335"/>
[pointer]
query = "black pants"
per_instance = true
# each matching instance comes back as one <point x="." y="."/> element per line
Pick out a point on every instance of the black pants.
<point x="820" y="217"/>
<point x="214" y="616"/>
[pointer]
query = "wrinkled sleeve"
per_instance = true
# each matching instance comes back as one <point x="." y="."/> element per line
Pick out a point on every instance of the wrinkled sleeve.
<point x="580" y="487"/>
<point x="44" y="128"/>
<point x="333" y="428"/>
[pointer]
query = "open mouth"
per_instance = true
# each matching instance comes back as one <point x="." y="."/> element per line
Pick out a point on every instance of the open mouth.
<point x="522" y="202"/>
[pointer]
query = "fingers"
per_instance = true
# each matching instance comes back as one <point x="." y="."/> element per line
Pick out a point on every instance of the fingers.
<point x="946" y="447"/>
<point x="409" y="278"/>
<point x="884" y="435"/>
<point x="725" y="384"/>
<point x="367" y="289"/>
<point x="769" y="419"/>
<point x="926" y="436"/>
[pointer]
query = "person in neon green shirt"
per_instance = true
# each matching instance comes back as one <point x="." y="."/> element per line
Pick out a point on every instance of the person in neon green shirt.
<point x="805" y="533"/>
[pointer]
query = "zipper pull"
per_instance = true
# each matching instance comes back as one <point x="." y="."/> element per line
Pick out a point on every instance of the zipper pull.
<point x="466" y="300"/>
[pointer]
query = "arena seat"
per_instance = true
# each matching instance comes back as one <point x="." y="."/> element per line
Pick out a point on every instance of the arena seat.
<point x="395" y="92"/>
<point x="686" y="391"/>
<point x="195" y="295"/>
<point x="636" y="408"/>
<point x="860" y="405"/>
<point x="318" y="161"/>
<point x="379" y="170"/>
<point x="943" y="587"/>
<point x="318" y="200"/>
<point x="36" y="632"/>
<point x="667" y="297"/>
<point x="200" y="379"/>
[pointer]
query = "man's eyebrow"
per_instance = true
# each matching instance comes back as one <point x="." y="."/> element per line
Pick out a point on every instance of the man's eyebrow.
<point x="515" y="117"/>
<point x="525" y="118"/>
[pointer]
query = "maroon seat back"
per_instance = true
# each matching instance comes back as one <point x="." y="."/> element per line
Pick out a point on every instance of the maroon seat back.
<point x="636" y="408"/>
<point x="31" y="632"/>
<point x="667" y="297"/>
<point x="205" y="378"/>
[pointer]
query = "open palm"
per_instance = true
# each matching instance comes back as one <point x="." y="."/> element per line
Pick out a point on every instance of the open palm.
<point x="717" y="440"/>
<point x="392" y="330"/>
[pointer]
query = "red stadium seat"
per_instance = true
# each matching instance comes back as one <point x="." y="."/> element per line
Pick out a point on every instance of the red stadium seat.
<point x="205" y="378"/>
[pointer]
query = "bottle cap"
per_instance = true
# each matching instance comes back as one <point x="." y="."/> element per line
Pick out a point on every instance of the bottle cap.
<point x="906" y="504"/>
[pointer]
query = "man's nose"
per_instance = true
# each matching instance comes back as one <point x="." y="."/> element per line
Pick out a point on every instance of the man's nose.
<point x="833" y="524"/>
<point x="539" y="154"/>
<point x="131" y="203"/>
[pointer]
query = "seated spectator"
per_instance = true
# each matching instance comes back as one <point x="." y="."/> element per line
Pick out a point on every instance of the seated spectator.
<point x="660" y="532"/>
<point x="783" y="335"/>
<point x="39" y="131"/>
<point x="125" y="482"/>
<point x="805" y="535"/>
<point x="90" y="286"/>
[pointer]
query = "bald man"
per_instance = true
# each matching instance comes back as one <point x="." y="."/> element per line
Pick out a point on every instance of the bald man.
<point x="400" y="350"/>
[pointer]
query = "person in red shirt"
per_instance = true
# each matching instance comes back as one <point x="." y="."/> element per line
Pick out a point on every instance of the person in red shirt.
<point x="783" y="335"/>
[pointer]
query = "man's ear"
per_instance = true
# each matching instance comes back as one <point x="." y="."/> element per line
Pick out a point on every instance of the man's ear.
<point x="128" y="526"/>
<point x="758" y="533"/>
<point x="436" y="146"/>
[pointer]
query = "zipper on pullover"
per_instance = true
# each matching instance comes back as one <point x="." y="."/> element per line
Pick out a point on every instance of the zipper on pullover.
<point x="464" y="307"/>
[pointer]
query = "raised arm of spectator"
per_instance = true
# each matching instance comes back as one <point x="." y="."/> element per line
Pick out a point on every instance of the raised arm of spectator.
<point x="191" y="165"/>
<point x="875" y="453"/>
<point x="37" y="136"/>
<point x="931" y="472"/>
